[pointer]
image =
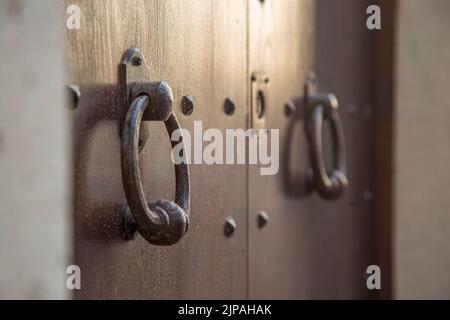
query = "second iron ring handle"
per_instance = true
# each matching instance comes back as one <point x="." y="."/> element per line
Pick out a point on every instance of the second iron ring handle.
<point x="162" y="222"/>
<point x="330" y="185"/>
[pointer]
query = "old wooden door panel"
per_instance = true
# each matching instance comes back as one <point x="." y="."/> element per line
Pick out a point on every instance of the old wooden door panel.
<point x="348" y="223"/>
<point x="199" y="48"/>
<point x="311" y="248"/>
<point x="280" y="34"/>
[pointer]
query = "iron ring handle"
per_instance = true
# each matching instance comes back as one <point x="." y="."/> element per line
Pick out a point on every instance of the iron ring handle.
<point x="329" y="185"/>
<point x="162" y="222"/>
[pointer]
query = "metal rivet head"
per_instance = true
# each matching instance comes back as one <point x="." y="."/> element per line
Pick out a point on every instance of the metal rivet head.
<point x="136" y="60"/>
<point x="230" y="227"/>
<point x="229" y="106"/>
<point x="262" y="219"/>
<point x="187" y="105"/>
<point x="74" y="95"/>
<point x="289" y="108"/>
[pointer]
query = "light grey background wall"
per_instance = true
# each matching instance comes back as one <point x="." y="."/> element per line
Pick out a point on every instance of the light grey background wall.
<point x="34" y="151"/>
<point x="421" y="236"/>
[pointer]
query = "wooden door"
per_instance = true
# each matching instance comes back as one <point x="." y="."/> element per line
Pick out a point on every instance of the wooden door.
<point x="209" y="50"/>
<point x="280" y="34"/>
<point x="310" y="247"/>
<point x="199" y="48"/>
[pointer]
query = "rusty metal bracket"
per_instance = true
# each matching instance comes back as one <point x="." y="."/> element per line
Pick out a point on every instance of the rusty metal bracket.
<point x="259" y="99"/>
<point x="133" y="69"/>
<point x="318" y="108"/>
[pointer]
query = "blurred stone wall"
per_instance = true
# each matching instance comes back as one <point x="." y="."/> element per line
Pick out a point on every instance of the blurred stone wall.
<point x="421" y="239"/>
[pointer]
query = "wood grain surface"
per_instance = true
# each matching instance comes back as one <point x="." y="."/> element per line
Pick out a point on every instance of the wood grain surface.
<point x="310" y="248"/>
<point x="200" y="48"/>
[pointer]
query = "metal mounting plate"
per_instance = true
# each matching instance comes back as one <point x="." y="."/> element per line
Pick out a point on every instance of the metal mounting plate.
<point x="259" y="100"/>
<point x="133" y="68"/>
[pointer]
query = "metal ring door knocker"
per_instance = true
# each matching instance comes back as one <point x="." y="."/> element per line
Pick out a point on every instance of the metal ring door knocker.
<point x="330" y="184"/>
<point x="162" y="222"/>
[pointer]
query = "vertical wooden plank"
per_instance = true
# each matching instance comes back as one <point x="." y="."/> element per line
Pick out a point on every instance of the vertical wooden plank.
<point x="313" y="248"/>
<point x="187" y="44"/>
<point x="345" y="62"/>
<point x="203" y="46"/>
<point x="280" y="44"/>
<point x="35" y="228"/>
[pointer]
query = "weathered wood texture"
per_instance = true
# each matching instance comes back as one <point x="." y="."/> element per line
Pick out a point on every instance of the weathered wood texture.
<point x="208" y="49"/>
<point x="344" y="62"/>
<point x="312" y="248"/>
<point x="198" y="47"/>
<point x="280" y="44"/>
<point x="384" y="75"/>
